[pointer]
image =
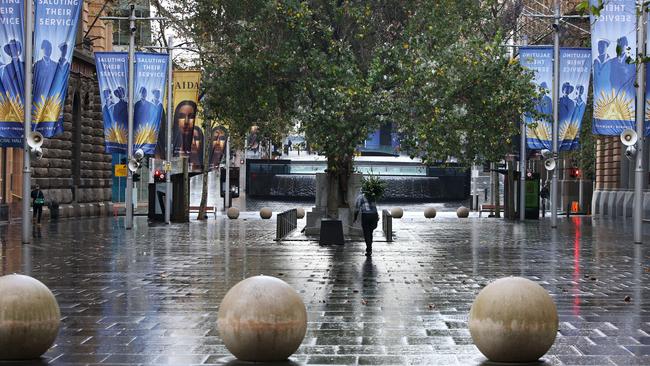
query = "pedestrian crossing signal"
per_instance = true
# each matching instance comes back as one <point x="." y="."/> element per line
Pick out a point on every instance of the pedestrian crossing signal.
<point x="158" y="176"/>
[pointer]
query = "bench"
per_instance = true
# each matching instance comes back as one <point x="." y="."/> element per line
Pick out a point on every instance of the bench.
<point x="208" y="209"/>
<point x="488" y="208"/>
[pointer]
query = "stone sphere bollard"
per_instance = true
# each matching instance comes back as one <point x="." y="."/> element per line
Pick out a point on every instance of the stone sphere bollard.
<point x="262" y="319"/>
<point x="29" y="318"/>
<point x="513" y="320"/>
<point x="397" y="212"/>
<point x="462" y="212"/>
<point x="266" y="213"/>
<point x="233" y="213"/>
<point x="300" y="212"/>
<point x="429" y="212"/>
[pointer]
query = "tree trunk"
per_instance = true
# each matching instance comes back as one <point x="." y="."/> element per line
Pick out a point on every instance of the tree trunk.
<point x="332" y="189"/>
<point x="207" y="138"/>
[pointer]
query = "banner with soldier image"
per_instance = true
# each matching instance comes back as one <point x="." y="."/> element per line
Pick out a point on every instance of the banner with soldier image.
<point x="613" y="41"/>
<point x="539" y="129"/>
<point x="575" y="71"/>
<point x="12" y="73"/>
<point x="55" y="32"/>
<point x="150" y="86"/>
<point x="112" y="75"/>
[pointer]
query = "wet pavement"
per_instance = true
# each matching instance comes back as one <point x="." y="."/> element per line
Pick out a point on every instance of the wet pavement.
<point x="150" y="296"/>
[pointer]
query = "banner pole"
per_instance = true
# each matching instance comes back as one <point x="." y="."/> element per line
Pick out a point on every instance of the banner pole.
<point x="227" y="188"/>
<point x="29" y="31"/>
<point x="640" y="114"/>
<point x="556" y="97"/>
<point x="128" y="220"/>
<point x="522" y="171"/>
<point x="168" y="183"/>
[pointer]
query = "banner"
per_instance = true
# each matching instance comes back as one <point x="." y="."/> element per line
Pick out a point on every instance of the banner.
<point x="187" y="135"/>
<point x="150" y="86"/>
<point x="614" y="78"/>
<point x="55" y="33"/>
<point x="12" y="73"/>
<point x="112" y="75"/>
<point x="219" y="137"/>
<point x="575" y="70"/>
<point x="539" y="130"/>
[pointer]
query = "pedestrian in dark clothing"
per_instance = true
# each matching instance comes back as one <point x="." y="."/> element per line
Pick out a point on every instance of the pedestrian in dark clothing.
<point x="369" y="218"/>
<point x="38" y="200"/>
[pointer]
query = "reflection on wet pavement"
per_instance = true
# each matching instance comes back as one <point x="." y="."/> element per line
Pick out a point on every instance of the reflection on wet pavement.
<point x="150" y="296"/>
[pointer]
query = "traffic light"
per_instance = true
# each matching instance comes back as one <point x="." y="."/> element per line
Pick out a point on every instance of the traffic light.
<point x="136" y="177"/>
<point x="159" y="176"/>
<point x="574" y="172"/>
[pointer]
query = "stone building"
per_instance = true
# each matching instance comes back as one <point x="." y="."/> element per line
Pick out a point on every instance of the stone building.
<point x="75" y="171"/>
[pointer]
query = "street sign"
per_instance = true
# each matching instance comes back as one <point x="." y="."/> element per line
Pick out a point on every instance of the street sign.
<point x="120" y="170"/>
<point x="167" y="166"/>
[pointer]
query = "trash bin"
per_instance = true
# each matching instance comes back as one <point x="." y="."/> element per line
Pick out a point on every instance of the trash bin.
<point x="54" y="210"/>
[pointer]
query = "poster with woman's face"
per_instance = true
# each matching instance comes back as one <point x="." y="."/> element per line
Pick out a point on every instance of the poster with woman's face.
<point x="196" y="153"/>
<point x="219" y="136"/>
<point x="183" y="128"/>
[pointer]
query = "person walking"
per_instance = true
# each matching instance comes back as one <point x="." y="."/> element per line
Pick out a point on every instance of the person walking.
<point x="371" y="190"/>
<point x="38" y="200"/>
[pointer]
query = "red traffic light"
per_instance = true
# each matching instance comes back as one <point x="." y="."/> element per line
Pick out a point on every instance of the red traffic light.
<point x="574" y="172"/>
<point x="158" y="176"/>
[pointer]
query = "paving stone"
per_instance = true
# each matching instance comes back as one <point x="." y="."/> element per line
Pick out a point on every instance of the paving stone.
<point x="150" y="295"/>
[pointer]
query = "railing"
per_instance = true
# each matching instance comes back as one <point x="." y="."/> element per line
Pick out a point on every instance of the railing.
<point x="387" y="224"/>
<point x="286" y="222"/>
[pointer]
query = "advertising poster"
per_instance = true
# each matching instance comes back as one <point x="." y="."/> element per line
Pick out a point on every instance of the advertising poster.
<point x="112" y="75"/>
<point x="12" y="73"/>
<point x="55" y="32"/>
<point x="539" y="130"/>
<point x="575" y="71"/>
<point x="614" y="77"/>
<point x="150" y="86"/>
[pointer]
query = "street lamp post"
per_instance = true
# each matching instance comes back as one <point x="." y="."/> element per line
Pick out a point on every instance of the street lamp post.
<point x="128" y="220"/>
<point x="640" y="114"/>
<point x="556" y="104"/>
<point x="29" y="45"/>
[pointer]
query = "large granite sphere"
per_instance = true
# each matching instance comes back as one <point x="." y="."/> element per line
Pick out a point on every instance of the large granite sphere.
<point x="266" y="213"/>
<point x="233" y="213"/>
<point x="513" y="320"/>
<point x="429" y="212"/>
<point x="300" y="212"/>
<point x="29" y="318"/>
<point x="462" y="212"/>
<point x="397" y="212"/>
<point x="262" y="319"/>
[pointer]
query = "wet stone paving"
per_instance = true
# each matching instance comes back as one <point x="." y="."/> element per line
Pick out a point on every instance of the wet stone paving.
<point x="150" y="296"/>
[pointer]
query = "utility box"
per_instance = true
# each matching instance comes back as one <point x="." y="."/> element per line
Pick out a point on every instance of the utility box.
<point x="180" y="179"/>
<point x="532" y="196"/>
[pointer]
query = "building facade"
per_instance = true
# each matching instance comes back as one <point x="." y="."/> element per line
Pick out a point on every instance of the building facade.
<point x="75" y="172"/>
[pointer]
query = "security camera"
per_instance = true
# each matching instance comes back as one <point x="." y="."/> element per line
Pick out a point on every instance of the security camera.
<point x="556" y="26"/>
<point x="630" y="152"/>
<point x="133" y="29"/>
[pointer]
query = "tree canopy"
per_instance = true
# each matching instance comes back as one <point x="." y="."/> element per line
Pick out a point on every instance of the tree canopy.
<point x="435" y="69"/>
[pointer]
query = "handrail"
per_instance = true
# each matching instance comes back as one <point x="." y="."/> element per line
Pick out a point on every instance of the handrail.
<point x="286" y="222"/>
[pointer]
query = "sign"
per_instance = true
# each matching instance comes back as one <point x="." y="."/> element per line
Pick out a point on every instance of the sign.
<point x="614" y="77"/>
<point x="55" y="33"/>
<point x="575" y="70"/>
<point x="539" y="128"/>
<point x="120" y="170"/>
<point x="112" y="75"/>
<point x="12" y="98"/>
<point x="150" y="86"/>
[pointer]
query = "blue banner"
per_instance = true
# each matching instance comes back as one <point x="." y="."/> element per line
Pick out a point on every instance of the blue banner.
<point x="55" y="32"/>
<point x="539" y="130"/>
<point x="112" y="75"/>
<point x="12" y="73"/>
<point x="150" y="82"/>
<point x="575" y="71"/>
<point x="614" y="78"/>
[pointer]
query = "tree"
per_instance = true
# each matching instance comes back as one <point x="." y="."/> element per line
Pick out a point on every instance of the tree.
<point x="342" y="68"/>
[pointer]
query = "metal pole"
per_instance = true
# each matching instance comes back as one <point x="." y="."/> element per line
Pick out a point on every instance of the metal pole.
<point x="522" y="173"/>
<point x="29" y="31"/>
<point x="556" y="97"/>
<point x="640" y="109"/>
<point x="128" y="221"/>
<point x="227" y="188"/>
<point x="168" y="183"/>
